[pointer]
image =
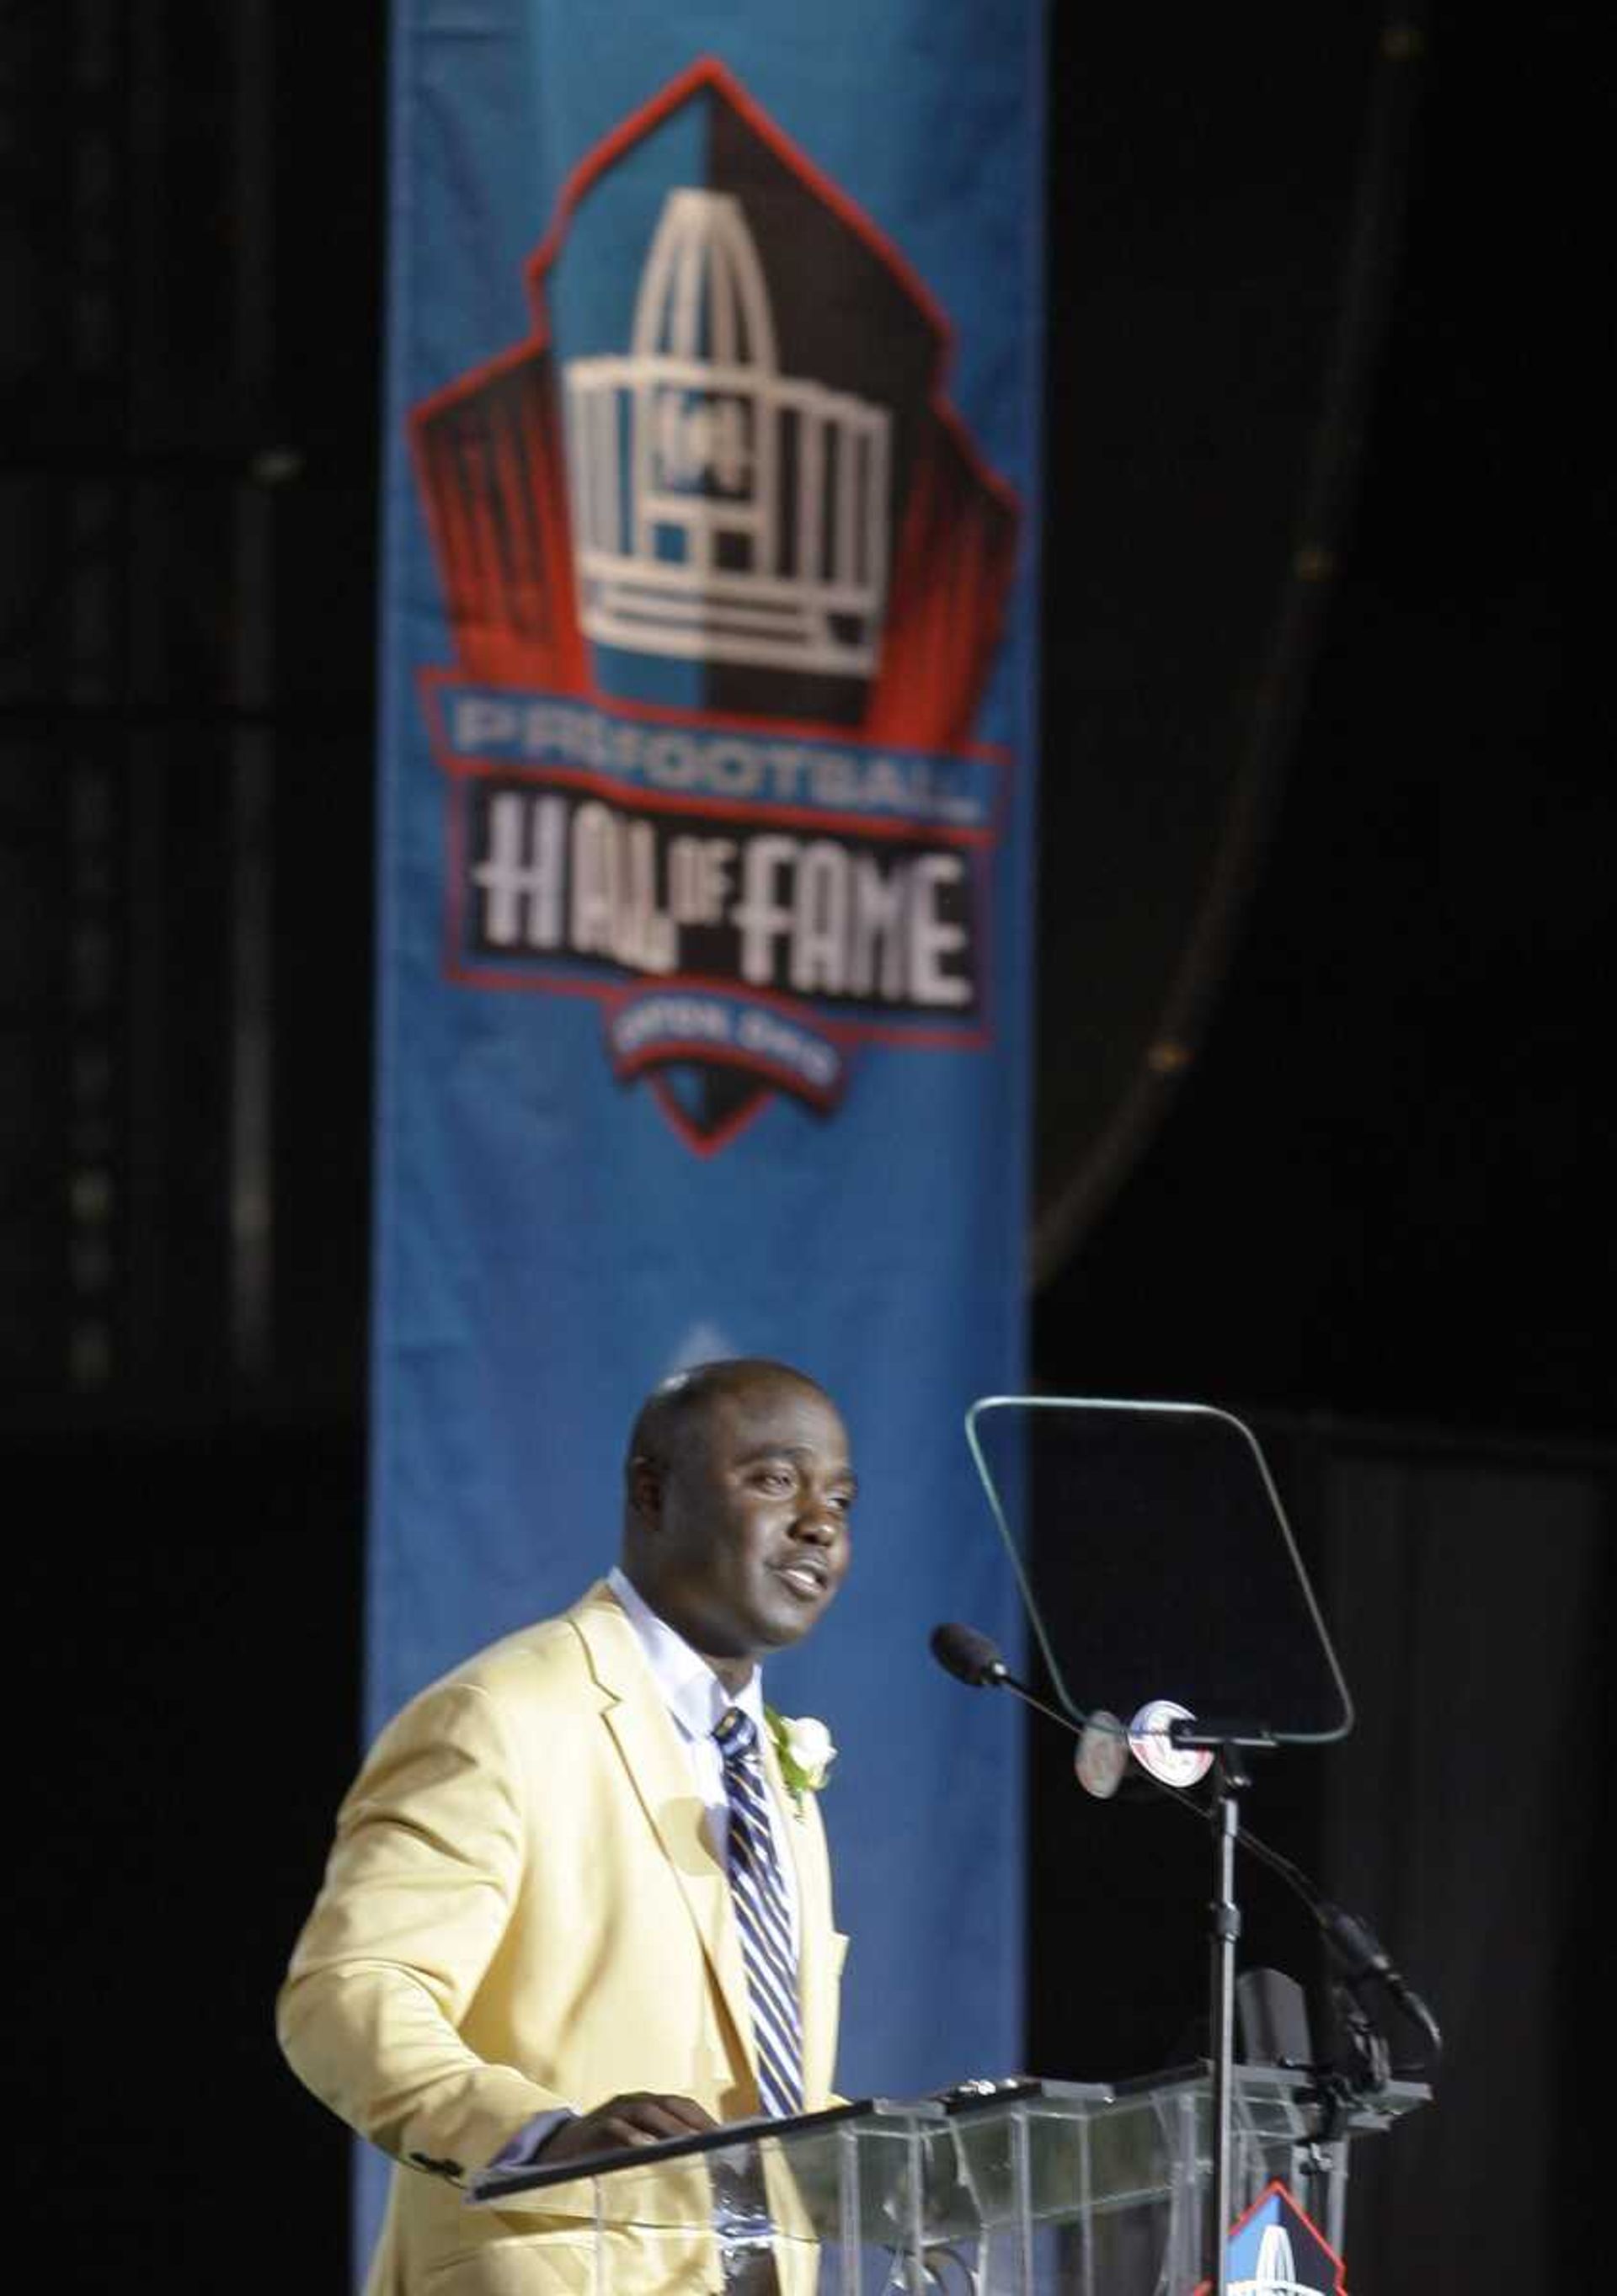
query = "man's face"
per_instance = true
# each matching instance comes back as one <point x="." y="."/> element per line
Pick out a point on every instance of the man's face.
<point x="744" y="1536"/>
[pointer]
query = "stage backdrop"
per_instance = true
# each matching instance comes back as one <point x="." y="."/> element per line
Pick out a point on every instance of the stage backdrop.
<point x="707" y="755"/>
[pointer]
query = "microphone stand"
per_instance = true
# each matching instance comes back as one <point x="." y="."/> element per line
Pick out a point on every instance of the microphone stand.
<point x="1224" y="1931"/>
<point x="972" y="1659"/>
<point x="1353" y="1946"/>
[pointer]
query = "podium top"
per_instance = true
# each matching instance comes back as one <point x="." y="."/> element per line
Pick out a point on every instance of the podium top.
<point x="1132" y="2124"/>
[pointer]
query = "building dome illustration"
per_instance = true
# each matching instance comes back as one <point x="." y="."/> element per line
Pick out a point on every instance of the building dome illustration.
<point x="721" y="511"/>
<point x="1276" y="2270"/>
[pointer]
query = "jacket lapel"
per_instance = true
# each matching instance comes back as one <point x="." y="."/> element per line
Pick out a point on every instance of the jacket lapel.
<point x="659" y="1773"/>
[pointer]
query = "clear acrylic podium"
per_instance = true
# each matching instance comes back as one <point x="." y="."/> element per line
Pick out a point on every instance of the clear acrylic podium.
<point x="1004" y="2189"/>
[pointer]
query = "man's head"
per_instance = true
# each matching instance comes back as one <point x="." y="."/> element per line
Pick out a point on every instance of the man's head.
<point x="738" y="1491"/>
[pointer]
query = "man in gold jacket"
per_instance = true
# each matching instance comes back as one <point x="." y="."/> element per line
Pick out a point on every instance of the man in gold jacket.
<point x="525" y="1943"/>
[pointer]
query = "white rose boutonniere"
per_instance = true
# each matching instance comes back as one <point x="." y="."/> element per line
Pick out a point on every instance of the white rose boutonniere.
<point x="805" y="1752"/>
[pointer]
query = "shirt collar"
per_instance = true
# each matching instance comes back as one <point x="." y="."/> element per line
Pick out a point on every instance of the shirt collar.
<point x="687" y="1685"/>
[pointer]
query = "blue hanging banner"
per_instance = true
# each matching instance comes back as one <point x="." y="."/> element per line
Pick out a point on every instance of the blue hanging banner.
<point x="707" y="752"/>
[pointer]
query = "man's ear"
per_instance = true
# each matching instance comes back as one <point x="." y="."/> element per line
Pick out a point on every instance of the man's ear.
<point x="646" y="1489"/>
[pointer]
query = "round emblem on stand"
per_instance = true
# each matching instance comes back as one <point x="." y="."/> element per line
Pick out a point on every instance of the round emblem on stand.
<point x="1153" y="1749"/>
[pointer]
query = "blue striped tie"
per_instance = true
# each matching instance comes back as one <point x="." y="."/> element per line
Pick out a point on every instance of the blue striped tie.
<point x="763" y="1918"/>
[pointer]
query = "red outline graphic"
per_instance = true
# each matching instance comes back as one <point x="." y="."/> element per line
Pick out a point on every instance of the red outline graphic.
<point x="1278" y="2185"/>
<point x="489" y="470"/>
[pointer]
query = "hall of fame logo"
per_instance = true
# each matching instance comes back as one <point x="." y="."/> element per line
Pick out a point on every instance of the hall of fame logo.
<point x="1274" y="2250"/>
<point x="726" y="577"/>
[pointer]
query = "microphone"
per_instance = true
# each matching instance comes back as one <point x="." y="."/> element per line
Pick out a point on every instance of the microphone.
<point x="969" y="1657"/>
<point x="1100" y="1759"/>
<point x="1363" y="1959"/>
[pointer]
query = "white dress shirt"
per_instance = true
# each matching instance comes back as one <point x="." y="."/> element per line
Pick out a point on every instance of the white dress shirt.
<point x="695" y="1699"/>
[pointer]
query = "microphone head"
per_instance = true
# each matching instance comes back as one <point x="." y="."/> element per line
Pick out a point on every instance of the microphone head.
<point x="969" y="1657"/>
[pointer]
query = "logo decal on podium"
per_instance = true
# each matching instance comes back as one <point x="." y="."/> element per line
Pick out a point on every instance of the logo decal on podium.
<point x="726" y="576"/>
<point x="1274" y="2250"/>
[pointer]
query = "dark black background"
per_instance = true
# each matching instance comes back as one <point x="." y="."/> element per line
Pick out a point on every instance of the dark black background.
<point x="1383" y="1189"/>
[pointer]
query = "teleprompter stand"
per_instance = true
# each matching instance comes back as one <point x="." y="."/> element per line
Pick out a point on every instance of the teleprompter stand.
<point x="1225" y="1932"/>
<point x="1163" y="1587"/>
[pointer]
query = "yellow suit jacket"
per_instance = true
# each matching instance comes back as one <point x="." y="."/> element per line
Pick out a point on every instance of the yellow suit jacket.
<point x="522" y="1911"/>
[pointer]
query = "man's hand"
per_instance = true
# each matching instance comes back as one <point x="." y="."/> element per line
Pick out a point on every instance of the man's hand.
<point x="638" y="2118"/>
